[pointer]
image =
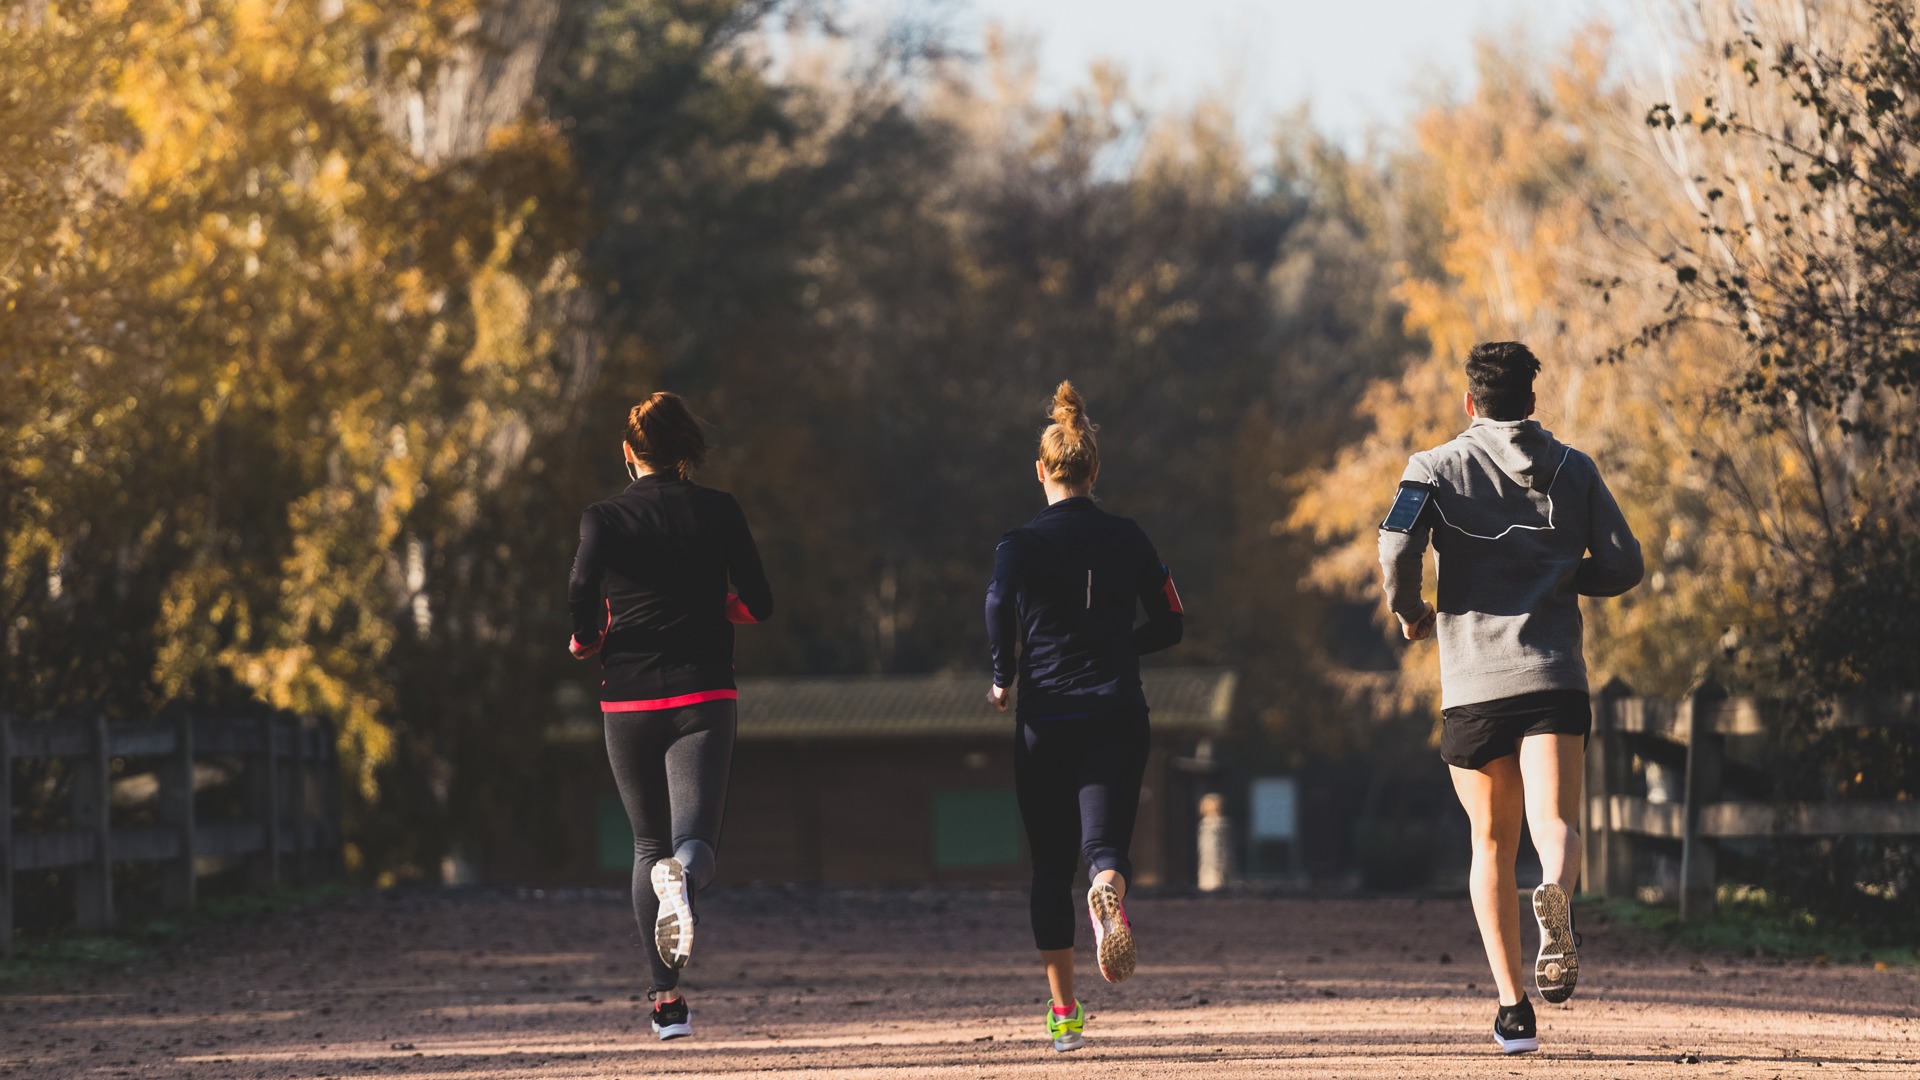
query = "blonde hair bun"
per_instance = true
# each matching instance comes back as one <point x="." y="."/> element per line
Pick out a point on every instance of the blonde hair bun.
<point x="1069" y="411"/>
<point x="1067" y="447"/>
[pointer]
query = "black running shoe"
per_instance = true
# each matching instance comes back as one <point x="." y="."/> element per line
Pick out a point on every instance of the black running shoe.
<point x="1514" y="1029"/>
<point x="671" y="1019"/>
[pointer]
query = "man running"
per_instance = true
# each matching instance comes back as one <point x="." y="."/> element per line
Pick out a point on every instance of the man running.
<point x="1522" y="526"/>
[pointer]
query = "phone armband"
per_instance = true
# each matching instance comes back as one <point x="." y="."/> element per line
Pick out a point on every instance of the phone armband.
<point x="1409" y="506"/>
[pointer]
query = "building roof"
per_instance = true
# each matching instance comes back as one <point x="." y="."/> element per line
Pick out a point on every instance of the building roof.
<point x="1195" y="701"/>
<point x="1191" y="700"/>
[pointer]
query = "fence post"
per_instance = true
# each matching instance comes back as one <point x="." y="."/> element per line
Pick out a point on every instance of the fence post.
<point x="1608" y="852"/>
<point x="302" y="786"/>
<point x="6" y="835"/>
<point x="179" y="888"/>
<point x="334" y="839"/>
<point x="1706" y="760"/>
<point x="92" y="813"/>
<point x="264" y="873"/>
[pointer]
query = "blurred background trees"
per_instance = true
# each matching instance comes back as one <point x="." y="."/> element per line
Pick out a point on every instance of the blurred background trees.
<point x="265" y="359"/>
<point x="321" y="322"/>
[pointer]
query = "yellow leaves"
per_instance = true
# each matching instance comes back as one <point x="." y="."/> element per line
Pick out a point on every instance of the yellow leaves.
<point x="200" y="607"/>
<point x="683" y="35"/>
<point x="1144" y="307"/>
<point x="502" y="309"/>
<point x="231" y="243"/>
<point x="333" y="172"/>
<point x="298" y="678"/>
<point x="1055" y="274"/>
<point x="1516" y="176"/>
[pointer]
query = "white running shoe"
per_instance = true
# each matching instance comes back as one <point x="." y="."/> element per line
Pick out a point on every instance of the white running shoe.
<point x="1112" y="934"/>
<point x="673" y="927"/>
<point x="1558" y="966"/>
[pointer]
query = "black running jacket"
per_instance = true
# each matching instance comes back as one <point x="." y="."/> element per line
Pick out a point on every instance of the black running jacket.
<point x="665" y="550"/>
<point x="1065" y="592"/>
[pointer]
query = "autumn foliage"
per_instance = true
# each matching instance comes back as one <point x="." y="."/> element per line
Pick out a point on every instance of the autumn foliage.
<point x="321" y="320"/>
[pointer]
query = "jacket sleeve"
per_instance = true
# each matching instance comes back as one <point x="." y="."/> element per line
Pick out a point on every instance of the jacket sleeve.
<point x="584" y="604"/>
<point x="1403" y="556"/>
<point x="1003" y="609"/>
<point x="1166" y="617"/>
<point x="1615" y="564"/>
<point x="753" y="596"/>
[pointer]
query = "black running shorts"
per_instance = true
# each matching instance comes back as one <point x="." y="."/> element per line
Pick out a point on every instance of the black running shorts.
<point x="1471" y="736"/>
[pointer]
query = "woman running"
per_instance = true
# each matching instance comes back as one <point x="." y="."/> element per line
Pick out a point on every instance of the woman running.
<point x="1061" y="606"/>
<point x="665" y="550"/>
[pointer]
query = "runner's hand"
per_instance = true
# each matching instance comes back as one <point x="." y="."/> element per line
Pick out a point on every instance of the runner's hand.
<point x="1420" y="628"/>
<point x="997" y="697"/>
<point x="581" y="652"/>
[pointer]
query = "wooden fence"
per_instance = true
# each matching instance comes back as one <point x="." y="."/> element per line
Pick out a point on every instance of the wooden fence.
<point x="288" y="788"/>
<point x="1689" y="737"/>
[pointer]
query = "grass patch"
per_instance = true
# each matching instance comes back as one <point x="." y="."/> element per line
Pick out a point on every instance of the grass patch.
<point x="1749" y="922"/>
<point x="61" y="956"/>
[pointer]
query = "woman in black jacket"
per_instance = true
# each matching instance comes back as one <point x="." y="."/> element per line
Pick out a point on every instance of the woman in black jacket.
<point x="649" y="594"/>
<point x="1065" y="592"/>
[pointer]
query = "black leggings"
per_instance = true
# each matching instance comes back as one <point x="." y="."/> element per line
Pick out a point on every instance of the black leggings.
<point x="1078" y="781"/>
<point x="671" y="766"/>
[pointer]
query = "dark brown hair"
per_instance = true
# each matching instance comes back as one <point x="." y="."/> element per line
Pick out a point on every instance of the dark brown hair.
<point x="665" y="434"/>
<point x="1500" y="378"/>
<point x="1067" y="448"/>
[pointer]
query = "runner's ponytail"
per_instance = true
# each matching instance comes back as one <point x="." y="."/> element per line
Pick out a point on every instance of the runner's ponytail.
<point x="666" y="436"/>
<point x="1068" y="450"/>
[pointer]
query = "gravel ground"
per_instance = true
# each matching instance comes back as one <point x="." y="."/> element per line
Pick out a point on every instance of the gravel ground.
<point x="852" y="983"/>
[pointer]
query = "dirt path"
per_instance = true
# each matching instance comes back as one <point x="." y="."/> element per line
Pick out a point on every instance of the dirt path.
<point x="866" y="984"/>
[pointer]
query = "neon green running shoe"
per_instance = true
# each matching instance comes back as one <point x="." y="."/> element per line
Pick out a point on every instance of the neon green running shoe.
<point x="1067" y="1032"/>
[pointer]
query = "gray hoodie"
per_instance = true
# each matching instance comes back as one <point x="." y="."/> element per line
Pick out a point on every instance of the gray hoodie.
<point x="1522" y="527"/>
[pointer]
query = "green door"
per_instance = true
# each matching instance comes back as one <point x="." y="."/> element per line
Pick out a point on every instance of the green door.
<point x="975" y="827"/>
<point x="613" y="836"/>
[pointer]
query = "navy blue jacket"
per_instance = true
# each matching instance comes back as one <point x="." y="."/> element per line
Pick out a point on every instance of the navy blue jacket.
<point x="1063" y="595"/>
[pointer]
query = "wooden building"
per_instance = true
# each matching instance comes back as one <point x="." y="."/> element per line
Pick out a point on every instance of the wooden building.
<point x="880" y="780"/>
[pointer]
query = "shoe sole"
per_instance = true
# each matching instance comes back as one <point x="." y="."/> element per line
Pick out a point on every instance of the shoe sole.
<point x="673" y="1031"/>
<point x="1557" y="968"/>
<point x="1113" y="938"/>
<point x="673" y="927"/>
<point x="1517" y="1046"/>
<point x="1069" y="1042"/>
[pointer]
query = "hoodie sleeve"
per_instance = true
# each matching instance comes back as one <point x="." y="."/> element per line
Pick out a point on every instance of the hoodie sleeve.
<point x="1403" y="555"/>
<point x="1614" y="564"/>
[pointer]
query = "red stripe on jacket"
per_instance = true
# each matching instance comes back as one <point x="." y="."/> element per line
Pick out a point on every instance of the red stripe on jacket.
<point x="1173" y="595"/>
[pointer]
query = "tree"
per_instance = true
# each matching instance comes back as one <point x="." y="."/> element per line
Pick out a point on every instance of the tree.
<point x="259" y="356"/>
<point x="1807" y="252"/>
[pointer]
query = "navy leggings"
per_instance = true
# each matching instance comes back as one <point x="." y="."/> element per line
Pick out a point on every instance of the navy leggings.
<point x="1078" y="781"/>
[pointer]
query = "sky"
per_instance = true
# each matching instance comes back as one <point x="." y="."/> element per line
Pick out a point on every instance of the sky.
<point x="1358" y="62"/>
